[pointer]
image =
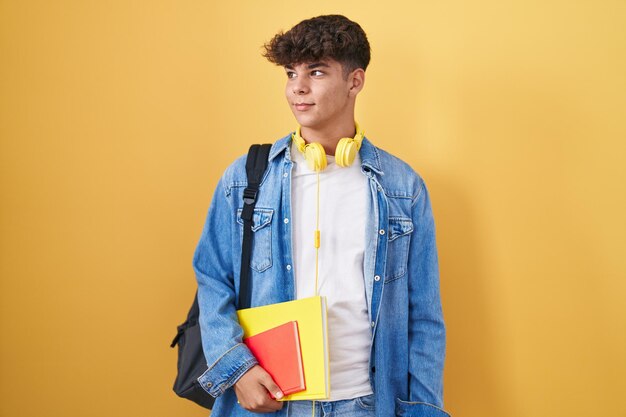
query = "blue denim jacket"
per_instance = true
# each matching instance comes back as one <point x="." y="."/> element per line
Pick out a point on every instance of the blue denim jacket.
<point x="408" y="345"/>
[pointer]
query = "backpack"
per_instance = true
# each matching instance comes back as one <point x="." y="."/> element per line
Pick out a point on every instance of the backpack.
<point x="191" y="361"/>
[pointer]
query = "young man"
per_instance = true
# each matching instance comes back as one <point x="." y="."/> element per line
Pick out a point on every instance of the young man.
<point x="377" y="260"/>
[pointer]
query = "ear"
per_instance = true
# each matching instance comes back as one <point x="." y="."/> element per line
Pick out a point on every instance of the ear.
<point x="357" y="81"/>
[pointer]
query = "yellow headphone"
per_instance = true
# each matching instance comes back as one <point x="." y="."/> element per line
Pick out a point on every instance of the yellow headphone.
<point x="315" y="155"/>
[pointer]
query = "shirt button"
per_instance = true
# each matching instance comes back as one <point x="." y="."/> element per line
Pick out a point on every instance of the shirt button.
<point x="380" y="188"/>
<point x="286" y="220"/>
<point x="373" y="324"/>
<point x="288" y="267"/>
<point x="285" y="175"/>
<point x="377" y="278"/>
<point x="381" y="231"/>
<point x="209" y="384"/>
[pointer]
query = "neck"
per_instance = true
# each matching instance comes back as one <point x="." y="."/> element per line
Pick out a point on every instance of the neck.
<point x="329" y="136"/>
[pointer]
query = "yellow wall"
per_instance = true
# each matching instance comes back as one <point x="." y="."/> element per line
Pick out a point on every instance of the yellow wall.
<point x="117" y="118"/>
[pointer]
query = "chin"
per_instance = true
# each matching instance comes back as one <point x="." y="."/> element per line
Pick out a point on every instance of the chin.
<point x="307" y="122"/>
<point x="304" y="118"/>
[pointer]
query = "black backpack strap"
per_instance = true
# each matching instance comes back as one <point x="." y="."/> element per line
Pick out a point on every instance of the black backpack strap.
<point x="256" y="164"/>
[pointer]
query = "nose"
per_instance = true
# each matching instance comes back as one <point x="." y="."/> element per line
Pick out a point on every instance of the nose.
<point x="299" y="87"/>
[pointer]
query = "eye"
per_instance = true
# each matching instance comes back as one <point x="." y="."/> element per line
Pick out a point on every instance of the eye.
<point x="291" y="74"/>
<point x="317" y="72"/>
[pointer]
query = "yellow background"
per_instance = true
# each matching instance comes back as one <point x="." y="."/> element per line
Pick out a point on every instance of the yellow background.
<point x="117" y="118"/>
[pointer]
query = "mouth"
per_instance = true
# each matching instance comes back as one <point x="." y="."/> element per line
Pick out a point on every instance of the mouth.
<point x="303" y="106"/>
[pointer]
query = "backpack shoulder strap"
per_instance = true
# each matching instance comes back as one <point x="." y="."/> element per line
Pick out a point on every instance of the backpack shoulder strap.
<point x="256" y="164"/>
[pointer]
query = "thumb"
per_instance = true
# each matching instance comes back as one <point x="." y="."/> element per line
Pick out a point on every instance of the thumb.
<point x="271" y="386"/>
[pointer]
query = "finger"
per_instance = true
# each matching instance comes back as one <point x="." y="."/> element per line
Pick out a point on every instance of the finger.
<point x="262" y="403"/>
<point x="270" y="405"/>
<point x="271" y="386"/>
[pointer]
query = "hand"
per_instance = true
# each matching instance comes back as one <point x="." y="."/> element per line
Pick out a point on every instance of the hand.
<point x="253" y="391"/>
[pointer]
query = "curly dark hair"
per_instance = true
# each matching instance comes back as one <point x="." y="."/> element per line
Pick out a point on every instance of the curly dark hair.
<point x="329" y="36"/>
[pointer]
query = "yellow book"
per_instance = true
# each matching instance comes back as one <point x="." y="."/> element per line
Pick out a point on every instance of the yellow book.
<point x="310" y="313"/>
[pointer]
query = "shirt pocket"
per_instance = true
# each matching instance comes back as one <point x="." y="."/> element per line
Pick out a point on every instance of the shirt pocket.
<point x="261" y="238"/>
<point x="400" y="229"/>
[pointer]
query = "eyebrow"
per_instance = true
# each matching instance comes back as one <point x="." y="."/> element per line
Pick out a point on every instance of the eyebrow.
<point x="311" y="66"/>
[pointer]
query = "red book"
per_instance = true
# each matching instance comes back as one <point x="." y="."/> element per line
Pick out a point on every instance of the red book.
<point x="278" y="352"/>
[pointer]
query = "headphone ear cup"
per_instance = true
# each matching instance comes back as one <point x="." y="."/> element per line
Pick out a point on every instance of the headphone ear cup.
<point x="346" y="152"/>
<point x="315" y="156"/>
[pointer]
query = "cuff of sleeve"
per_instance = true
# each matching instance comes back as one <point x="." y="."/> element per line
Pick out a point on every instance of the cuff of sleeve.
<point x="227" y="370"/>
<point x="418" y="409"/>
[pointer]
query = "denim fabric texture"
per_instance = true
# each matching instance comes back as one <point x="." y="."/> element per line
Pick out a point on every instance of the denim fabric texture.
<point x="408" y="332"/>
<point x="356" y="407"/>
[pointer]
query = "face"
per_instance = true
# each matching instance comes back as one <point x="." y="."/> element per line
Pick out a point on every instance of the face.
<point x="318" y="94"/>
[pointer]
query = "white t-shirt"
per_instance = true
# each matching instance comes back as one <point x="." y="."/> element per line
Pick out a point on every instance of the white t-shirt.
<point x="343" y="219"/>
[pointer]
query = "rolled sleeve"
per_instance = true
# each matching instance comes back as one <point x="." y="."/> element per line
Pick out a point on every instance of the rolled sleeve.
<point x="227" y="370"/>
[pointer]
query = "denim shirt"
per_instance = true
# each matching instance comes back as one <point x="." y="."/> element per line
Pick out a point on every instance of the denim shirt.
<point x="400" y="271"/>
